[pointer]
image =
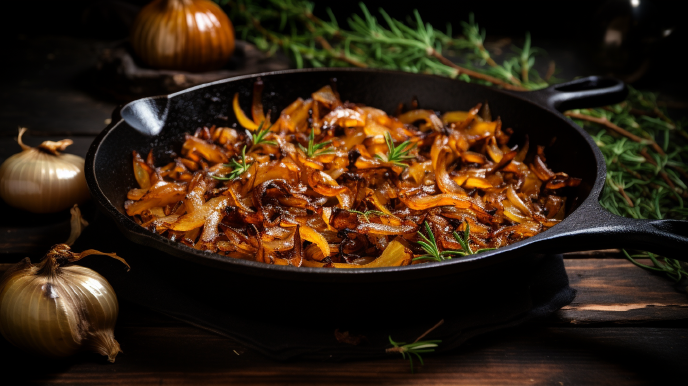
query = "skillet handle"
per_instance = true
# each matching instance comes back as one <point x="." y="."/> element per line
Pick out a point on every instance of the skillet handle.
<point x="591" y="91"/>
<point x="596" y="228"/>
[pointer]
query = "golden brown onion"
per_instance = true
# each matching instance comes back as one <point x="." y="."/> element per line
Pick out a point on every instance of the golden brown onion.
<point x="320" y="196"/>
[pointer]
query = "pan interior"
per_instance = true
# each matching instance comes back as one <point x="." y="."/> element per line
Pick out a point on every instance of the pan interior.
<point x="171" y="117"/>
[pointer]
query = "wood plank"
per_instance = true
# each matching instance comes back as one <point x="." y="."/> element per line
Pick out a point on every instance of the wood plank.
<point x="601" y="253"/>
<point x="32" y="241"/>
<point x="158" y="350"/>
<point x="616" y="291"/>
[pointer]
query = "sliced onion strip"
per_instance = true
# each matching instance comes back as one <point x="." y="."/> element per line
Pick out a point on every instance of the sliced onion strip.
<point x="241" y="117"/>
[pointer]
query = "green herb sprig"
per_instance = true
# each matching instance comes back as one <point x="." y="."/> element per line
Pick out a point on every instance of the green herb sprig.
<point x="396" y="154"/>
<point x="464" y="241"/>
<point x="313" y="42"/>
<point x="642" y="182"/>
<point x="258" y="137"/>
<point x="316" y="149"/>
<point x="672" y="268"/>
<point x="429" y="245"/>
<point x="238" y="168"/>
<point x="415" y="348"/>
<point x="432" y="252"/>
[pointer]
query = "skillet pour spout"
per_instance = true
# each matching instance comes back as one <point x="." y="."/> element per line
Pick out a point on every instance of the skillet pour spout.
<point x="159" y="123"/>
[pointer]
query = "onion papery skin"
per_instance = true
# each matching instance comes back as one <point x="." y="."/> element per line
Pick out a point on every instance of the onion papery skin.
<point x="40" y="182"/>
<point x="58" y="314"/>
<point x="184" y="35"/>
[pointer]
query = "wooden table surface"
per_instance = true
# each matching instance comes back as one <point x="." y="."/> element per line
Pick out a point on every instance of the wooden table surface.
<point x="626" y="325"/>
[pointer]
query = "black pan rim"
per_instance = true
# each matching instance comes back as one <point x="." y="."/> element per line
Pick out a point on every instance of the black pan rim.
<point x="139" y="235"/>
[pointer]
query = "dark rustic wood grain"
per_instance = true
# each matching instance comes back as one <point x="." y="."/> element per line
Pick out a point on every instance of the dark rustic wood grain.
<point x="617" y="291"/>
<point x="602" y="253"/>
<point x="158" y="350"/>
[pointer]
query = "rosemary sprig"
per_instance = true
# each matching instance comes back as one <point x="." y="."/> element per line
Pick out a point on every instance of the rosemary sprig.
<point x="396" y="154"/>
<point x="291" y="26"/>
<point x="368" y="213"/>
<point x="645" y="166"/>
<point x="429" y="245"/>
<point x="415" y="348"/>
<point x="238" y="168"/>
<point x="465" y="245"/>
<point x="316" y="149"/>
<point x="476" y="37"/>
<point x="670" y="267"/>
<point x="432" y="251"/>
<point x="258" y="138"/>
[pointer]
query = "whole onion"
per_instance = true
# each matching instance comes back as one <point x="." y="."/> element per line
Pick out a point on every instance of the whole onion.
<point x="55" y="308"/>
<point x="185" y="35"/>
<point x="41" y="179"/>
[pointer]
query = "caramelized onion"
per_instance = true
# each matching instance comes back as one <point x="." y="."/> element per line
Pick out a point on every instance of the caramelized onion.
<point x="397" y="253"/>
<point x="136" y="194"/>
<point x="446" y="199"/>
<point x="428" y="116"/>
<point x="454" y="116"/>
<point x="470" y="116"/>
<point x="279" y="244"/>
<point x="208" y="151"/>
<point x="241" y="117"/>
<point x="309" y="234"/>
<point x="327" y="97"/>
<point x="444" y="182"/>
<point x="211" y="213"/>
<point x="163" y="193"/>
<point x="476" y="182"/>
<point x="493" y="150"/>
<point x="382" y="229"/>
<point x="141" y="172"/>
<point x="319" y="197"/>
<point x="257" y="105"/>
<point x="517" y="202"/>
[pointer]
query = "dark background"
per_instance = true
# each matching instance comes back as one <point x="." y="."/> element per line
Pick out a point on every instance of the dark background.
<point x="567" y="19"/>
<point x="574" y="26"/>
<point x="51" y="46"/>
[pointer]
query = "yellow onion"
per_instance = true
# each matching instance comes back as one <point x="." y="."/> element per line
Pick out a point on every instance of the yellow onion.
<point x="186" y="35"/>
<point x="41" y="180"/>
<point x="397" y="253"/>
<point x="57" y="309"/>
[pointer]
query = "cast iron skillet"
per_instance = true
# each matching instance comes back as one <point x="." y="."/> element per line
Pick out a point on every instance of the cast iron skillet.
<point x="160" y="123"/>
